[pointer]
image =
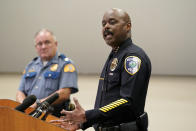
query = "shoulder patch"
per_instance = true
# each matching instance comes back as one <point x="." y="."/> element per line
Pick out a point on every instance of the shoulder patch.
<point x="132" y="64"/>
<point x="69" y="68"/>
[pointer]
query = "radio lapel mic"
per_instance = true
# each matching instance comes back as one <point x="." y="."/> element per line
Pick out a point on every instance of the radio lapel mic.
<point x="28" y="101"/>
<point x="44" y="105"/>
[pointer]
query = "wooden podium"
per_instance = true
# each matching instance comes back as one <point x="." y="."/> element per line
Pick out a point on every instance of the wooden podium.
<point x="13" y="120"/>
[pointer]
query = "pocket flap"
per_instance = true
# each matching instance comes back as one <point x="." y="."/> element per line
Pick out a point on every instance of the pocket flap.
<point x="51" y="74"/>
<point x="30" y="74"/>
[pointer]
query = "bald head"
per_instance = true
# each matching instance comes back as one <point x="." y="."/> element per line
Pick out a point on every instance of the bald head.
<point x="116" y="27"/>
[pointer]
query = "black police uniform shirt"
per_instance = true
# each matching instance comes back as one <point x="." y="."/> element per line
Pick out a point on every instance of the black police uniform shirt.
<point x="122" y="87"/>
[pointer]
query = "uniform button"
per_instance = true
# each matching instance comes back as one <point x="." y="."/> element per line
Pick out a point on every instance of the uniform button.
<point x="66" y="59"/>
<point x="49" y="75"/>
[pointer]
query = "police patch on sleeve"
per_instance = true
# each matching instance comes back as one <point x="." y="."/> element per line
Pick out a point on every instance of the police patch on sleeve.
<point x="69" y="68"/>
<point x="132" y="64"/>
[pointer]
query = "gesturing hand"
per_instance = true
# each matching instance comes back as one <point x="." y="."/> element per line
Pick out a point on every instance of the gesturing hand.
<point x="66" y="125"/>
<point x="72" y="119"/>
<point x="77" y="115"/>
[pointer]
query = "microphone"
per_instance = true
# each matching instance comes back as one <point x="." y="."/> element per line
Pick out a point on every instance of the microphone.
<point x="48" y="111"/>
<point x="44" y="105"/>
<point x="28" y="101"/>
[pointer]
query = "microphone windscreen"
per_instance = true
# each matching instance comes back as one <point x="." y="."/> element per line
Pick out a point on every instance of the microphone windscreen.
<point x="28" y="101"/>
<point x="51" y="99"/>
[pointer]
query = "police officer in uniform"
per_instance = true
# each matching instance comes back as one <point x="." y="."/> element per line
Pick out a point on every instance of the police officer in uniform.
<point x="49" y="73"/>
<point x="122" y="86"/>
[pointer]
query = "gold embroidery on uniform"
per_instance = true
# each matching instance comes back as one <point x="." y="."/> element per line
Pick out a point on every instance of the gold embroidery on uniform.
<point x="101" y="78"/>
<point x="54" y="67"/>
<point x="31" y="70"/>
<point x="113" y="105"/>
<point x="69" y="68"/>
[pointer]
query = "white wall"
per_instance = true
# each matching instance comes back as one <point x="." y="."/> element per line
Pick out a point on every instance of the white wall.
<point x="164" y="29"/>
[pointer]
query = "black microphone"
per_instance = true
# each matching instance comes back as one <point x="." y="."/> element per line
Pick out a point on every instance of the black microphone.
<point x="48" y="111"/>
<point x="28" y="101"/>
<point x="44" y="105"/>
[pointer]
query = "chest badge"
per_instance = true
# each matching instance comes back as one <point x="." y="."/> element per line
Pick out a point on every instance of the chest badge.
<point x="114" y="64"/>
<point x="54" y="67"/>
<point x="31" y="70"/>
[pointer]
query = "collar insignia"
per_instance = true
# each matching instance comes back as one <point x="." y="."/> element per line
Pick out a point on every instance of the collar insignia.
<point x="54" y="67"/>
<point x="114" y="64"/>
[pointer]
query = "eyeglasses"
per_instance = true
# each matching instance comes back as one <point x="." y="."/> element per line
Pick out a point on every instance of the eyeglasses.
<point x="40" y="44"/>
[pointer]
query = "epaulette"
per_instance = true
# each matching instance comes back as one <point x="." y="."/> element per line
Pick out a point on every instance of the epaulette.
<point x="64" y="58"/>
<point x="34" y="59"/>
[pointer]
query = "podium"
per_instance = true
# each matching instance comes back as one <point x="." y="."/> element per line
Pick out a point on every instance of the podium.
<point x="13" y="120"/>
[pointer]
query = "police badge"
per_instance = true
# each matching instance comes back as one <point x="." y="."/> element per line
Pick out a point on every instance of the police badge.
<point x="54" y="67"/>
<point x="132" y="64"/>
<point x="114" y="64"/>
<point x="31" y="70"/>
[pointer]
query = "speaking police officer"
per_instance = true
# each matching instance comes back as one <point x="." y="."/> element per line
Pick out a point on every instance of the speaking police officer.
<point x="122" y="86"/>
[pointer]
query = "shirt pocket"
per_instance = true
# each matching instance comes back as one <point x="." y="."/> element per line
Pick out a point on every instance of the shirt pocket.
<point x="51" y="80"/>
<point x="113" y="77"/>
<point x="113" y="80"/>
<point x="29" y="78"/>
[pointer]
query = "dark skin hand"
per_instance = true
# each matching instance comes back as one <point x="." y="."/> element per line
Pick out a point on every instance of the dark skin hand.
<point x="72" y="119"/>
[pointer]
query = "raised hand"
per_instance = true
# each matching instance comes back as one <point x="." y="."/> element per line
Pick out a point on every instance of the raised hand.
<point x="72" y="119"/>
<point x="76" y="116"/>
